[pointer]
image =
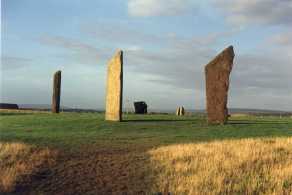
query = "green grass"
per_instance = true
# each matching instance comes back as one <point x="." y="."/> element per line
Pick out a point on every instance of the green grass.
<point x="71" y="130"/>
<point x="98" y="157"/>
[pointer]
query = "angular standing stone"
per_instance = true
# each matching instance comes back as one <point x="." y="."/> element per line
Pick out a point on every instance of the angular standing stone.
<point x="56" y="92"/>
<point x="114" y="89"/>
<point x="217" y="84"/>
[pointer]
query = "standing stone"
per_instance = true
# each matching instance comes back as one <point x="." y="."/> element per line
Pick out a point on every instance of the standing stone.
<point x="114" y="89"/>
<point x="217" y="84"/>
<point x="177" y="111"/>
<point x="140" y="107"/>
<point x="56" y="92"/>
<point x="180" y="111"/>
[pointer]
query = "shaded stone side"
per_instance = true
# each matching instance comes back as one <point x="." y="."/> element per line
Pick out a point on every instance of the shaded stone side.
<point x="56" y="92"/>
<point x="114" y="88"/>
<point x="182" y="111"/>
<point x="217" y="84"/>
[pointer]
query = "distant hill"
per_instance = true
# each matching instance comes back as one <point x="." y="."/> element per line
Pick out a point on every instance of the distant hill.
<point x="47" y="107"/>
<point x="38" y="106"/>
<point x="202" y="111"/>
<point x="233" y="111"/>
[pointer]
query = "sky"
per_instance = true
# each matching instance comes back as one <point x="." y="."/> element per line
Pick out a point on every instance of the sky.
<point x="166" y="45"/>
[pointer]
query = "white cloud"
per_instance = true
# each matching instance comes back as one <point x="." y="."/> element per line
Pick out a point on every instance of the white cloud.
<point x="13" y="62"/>
<point x="270" y="12"/>
<point x="177" y="63"/>
<point x="77" y="51"/>
<point x="283" y="39"/>
<point x="160" y="7"/>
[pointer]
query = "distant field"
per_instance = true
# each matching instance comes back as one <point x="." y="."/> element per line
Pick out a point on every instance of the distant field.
<point x="80" y="153"/>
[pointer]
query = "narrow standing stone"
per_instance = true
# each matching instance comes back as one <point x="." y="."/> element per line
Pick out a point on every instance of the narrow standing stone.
<point x="217" y="84"/>
<point x="114" y="89"/>
<point x="56" y="92"/>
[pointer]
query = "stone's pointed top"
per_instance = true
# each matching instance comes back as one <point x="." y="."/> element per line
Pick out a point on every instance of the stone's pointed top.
<point x="223" y="60"/>
<point x="119" y="53"/>
<point x="117" y="57"/>
<point x="229" y="50"/>
<point x="230" y="47"/>
<point x="58" y="72"/>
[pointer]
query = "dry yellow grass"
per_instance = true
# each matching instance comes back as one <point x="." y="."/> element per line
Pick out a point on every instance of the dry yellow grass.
<point x="19" y="161"/>
<point x="249" y="166"/>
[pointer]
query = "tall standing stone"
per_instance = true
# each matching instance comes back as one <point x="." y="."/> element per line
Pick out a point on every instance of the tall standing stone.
<point x="114" y="89"/>
<point x="217" y="84"/>
<point x="56" y="92"/>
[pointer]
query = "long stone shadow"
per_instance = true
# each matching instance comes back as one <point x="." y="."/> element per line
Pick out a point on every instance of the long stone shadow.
<point x="13" y="113"/>
<point x="255" y="122"/>
<point x="157" y="120"/>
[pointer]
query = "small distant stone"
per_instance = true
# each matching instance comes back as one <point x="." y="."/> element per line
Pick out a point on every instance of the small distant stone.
<point x="180" y="111"/>
<point x="140" y="107"/>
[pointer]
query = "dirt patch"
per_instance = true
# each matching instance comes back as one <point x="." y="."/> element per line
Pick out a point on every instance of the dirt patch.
<point x="20" y="162"/>
<point x="103" y="171"/>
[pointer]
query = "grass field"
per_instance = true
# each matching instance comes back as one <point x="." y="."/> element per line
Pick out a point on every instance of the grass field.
<point x="80" y="153"/>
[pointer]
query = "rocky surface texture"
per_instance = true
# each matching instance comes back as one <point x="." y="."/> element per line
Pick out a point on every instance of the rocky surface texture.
<point x="217" y="84"/>
<point x="56" y="92"/>
<point x="114" y="89"/>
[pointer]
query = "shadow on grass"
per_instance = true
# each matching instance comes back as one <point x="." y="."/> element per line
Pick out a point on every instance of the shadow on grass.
<point x="13" y="113"/>
<point x="117" y="161"/>
<point x="255" y="122"/>
<point x="158" y="120"/>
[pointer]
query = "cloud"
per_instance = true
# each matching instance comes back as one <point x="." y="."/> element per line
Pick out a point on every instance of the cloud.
<point x="267" y="12"/>
<point x="80" y="51"/>
<point x="283" y="39"/>
<point x="260" y="78"/>
<point x="146" y="8"/>
<point x="12" y="62"/>
<point x="119" y="33"/>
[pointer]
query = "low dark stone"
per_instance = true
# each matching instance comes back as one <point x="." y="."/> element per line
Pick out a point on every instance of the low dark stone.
<point x="8" y="106"/>
<point x="140" y="107"/>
